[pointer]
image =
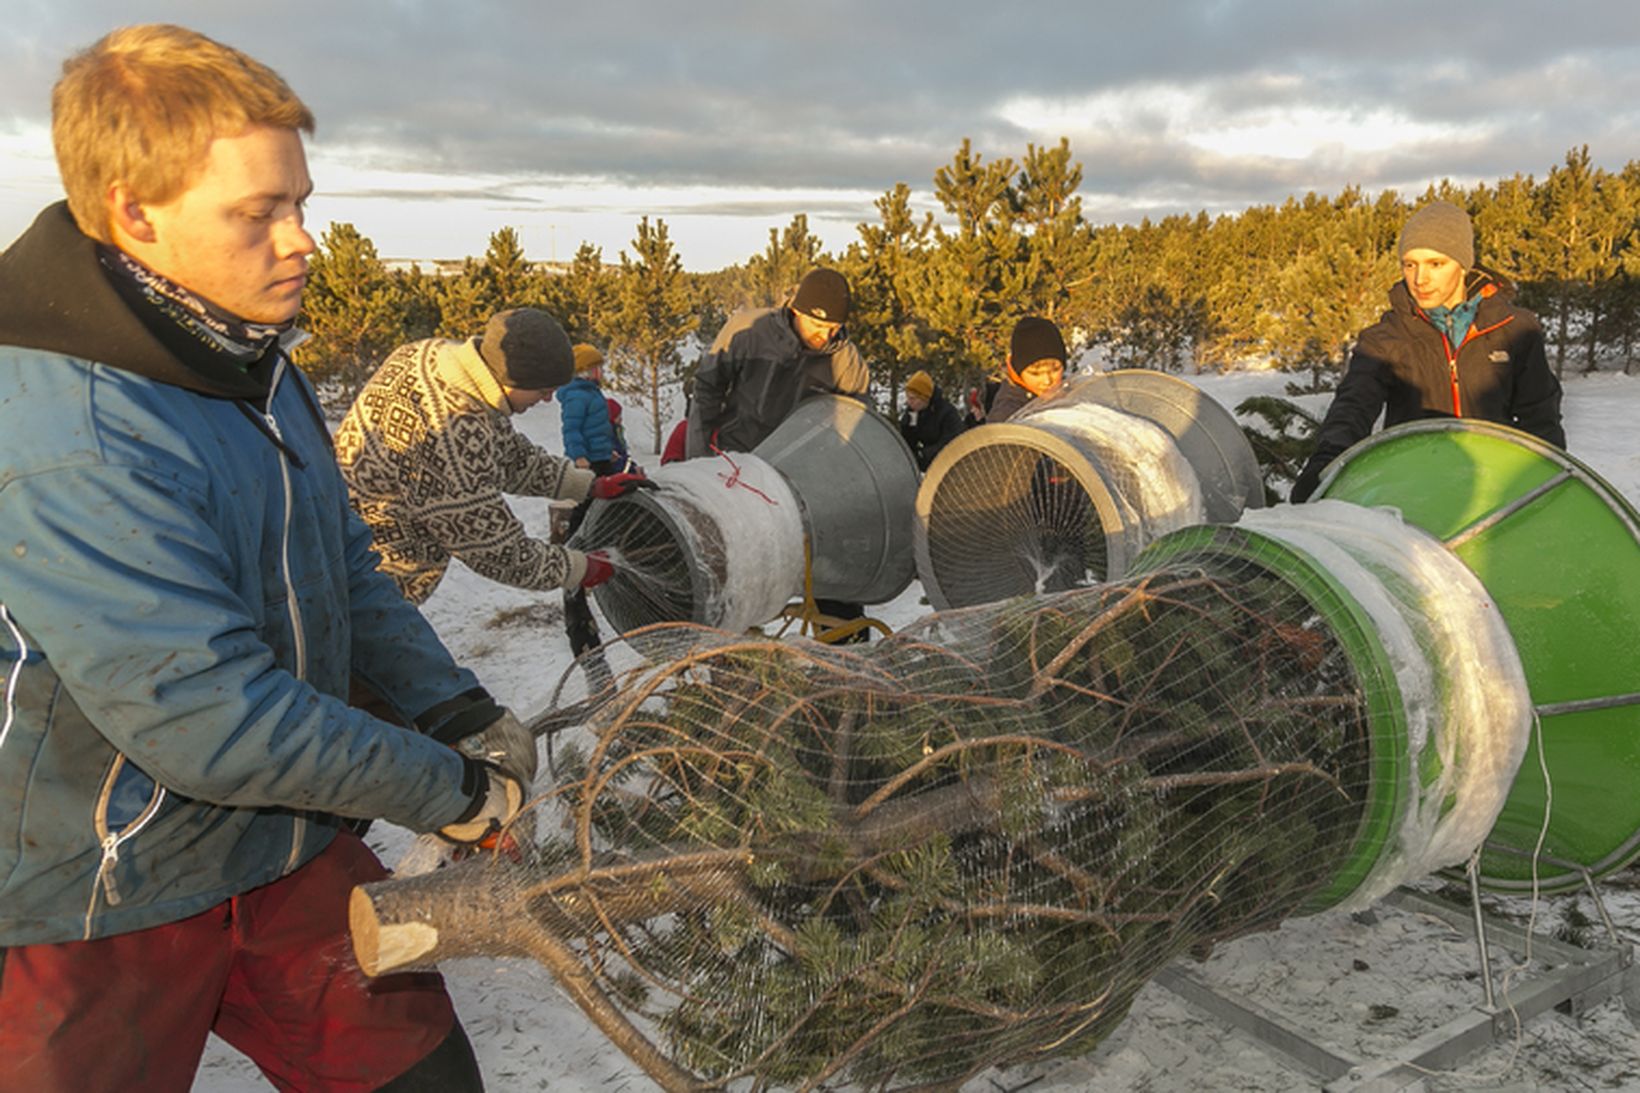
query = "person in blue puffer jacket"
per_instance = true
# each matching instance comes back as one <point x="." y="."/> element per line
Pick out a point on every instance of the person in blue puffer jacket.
<point x="589" y="436"/>
<point x="589" y="440"/>
<point x="185" y="598"/>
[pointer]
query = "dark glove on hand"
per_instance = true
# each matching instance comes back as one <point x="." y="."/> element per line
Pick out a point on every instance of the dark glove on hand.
<point x="609" y="486"/>
<point x="599" y="569"/>
<point x="1305" y="485"/>
<point x="505" y="744"/>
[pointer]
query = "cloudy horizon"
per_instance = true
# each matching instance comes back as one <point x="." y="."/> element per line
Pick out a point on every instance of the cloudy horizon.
<point x="439" y="125"/>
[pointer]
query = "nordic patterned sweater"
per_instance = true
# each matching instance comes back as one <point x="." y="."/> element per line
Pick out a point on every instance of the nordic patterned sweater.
<point x="427" y="452"/>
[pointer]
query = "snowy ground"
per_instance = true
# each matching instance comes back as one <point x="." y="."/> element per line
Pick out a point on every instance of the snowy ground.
<point x="1363" y="988"/>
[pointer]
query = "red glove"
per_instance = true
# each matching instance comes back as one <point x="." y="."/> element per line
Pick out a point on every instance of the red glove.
<point x="609" y="486"/>
<point x="599" y="569"/>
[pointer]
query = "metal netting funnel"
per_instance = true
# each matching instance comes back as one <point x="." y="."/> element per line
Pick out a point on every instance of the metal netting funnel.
<point x="722" y="541"/>
<point x="715" y="544"/>
<point x="1206" y="433"/>
<point x="857" y="481"/>
<point x="719" y="543"/>
<point x="1061" y="497"/>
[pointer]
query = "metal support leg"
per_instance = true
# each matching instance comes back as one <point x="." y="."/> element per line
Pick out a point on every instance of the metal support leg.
<point x="1480" y="931"/>
<point x="1600" y="908"/>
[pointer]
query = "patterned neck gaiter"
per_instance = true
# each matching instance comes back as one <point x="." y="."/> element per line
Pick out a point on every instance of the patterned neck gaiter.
<point x="202" y="328"/>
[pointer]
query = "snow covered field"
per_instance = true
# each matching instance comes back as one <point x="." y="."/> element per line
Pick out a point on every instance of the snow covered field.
<point x="1364" y="988"/>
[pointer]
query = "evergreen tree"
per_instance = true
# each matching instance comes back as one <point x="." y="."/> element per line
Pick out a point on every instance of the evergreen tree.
<point x="654" y="313"/>
<point x="465" y="302"/>
<point x="773" y="275"/>
<point x="583" y="299"/>
<point x="418" y="293"/>
<point x="1335" y="288"/>
<point x="883" y="269"/>
<point x="975" y="275"/>
<point x="352" y="308"/>
<point x="1577" y="230"/>
<point x="1058" y="270"/>
<point x="509" y="279"/>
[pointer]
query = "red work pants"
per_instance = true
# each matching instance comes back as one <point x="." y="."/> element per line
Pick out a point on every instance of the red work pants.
<point x="271" y="971"/>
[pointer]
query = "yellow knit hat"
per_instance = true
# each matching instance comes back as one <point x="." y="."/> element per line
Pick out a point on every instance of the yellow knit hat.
<point x="586" y="357"/>
<point x="920" y="384"/>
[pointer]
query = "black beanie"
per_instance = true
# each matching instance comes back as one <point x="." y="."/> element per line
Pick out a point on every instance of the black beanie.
<point x="823" y="295"/>
<point x="527" y="349"/>
<point x="1035" y="339"/>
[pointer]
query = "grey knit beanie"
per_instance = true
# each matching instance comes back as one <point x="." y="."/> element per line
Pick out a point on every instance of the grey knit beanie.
<point x="527" y="349"/>
<point x="1444" y="228"/>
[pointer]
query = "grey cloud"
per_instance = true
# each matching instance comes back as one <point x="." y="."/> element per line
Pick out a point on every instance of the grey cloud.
<point x="856" y="96"/>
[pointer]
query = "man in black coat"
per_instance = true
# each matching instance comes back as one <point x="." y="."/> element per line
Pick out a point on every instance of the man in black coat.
<point x="1452" y="344"/>
<point x="765" y="361"/>
<point x="929" y="422"/>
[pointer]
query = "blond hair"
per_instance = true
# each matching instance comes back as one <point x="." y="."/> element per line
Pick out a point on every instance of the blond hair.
<point x="142" y="106"/>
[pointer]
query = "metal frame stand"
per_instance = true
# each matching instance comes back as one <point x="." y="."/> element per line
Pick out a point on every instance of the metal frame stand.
<point x="1577" y="980"/>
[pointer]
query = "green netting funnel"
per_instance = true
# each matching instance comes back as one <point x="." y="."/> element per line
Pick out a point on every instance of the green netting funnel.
<point x="1558" y="549"/>
<point x="1447" y="705"/>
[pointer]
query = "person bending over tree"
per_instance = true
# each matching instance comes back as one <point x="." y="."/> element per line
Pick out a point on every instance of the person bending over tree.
<point x="428" y="451"/>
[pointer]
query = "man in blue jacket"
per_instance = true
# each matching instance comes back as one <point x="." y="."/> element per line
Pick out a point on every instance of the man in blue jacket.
<point x="184" y="597"/>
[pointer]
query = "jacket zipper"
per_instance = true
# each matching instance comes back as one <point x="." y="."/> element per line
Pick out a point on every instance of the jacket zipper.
<point x="1452" y="371"/>
<point x="111" y="841"/>
<point x="298" y="636"/>
<point x="13" y="676"/>
<point x="1452" y="356"/>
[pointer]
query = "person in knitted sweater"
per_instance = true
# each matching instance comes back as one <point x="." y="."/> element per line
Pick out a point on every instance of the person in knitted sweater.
<point x="427" y="451"/>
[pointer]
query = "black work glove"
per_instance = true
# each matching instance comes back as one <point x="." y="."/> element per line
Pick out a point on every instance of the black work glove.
<point x="1305" y="485"/>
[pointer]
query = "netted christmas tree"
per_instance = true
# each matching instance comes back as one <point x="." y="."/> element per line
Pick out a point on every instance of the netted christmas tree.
<point x="789" y="864"/>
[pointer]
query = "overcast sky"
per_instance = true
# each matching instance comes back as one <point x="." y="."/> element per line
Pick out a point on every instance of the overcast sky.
<point x="440" y="122"/>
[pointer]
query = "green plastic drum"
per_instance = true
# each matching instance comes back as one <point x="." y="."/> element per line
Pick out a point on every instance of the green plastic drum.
<point x="1558" y="549"/>
<point x="1218" y="548"/>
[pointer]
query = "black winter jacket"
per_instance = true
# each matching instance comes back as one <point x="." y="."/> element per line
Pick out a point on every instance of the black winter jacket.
<point x="930" y="429"/>
<point x="1403" y="367"/>
<point x="1010" y="399"/>
<point x="756" y="373"/>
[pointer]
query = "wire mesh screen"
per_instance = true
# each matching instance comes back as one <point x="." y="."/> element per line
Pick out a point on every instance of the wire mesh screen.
<point x="1011" y="521"/>
<point x="1061" y="497"/>
<point x="787" y="864"/>
<point x="660" y="578"/>
<point x="720" y="542"/>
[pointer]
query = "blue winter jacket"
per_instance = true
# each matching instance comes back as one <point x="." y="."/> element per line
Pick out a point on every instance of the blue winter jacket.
<point x="585" y="414"/>
<point x="183" y="595"/>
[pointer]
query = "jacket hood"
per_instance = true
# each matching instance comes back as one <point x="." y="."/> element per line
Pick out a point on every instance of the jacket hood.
<point x="59" y="300"/>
